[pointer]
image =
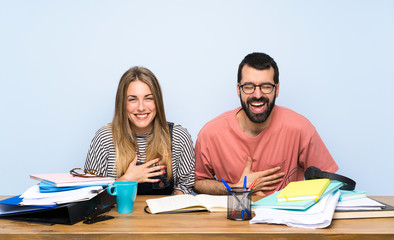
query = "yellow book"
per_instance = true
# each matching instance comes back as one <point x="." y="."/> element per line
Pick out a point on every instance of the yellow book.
<point x="303" y="190"/>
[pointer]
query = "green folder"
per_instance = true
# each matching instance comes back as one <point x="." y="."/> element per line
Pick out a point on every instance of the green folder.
<point x="271" y="201"/>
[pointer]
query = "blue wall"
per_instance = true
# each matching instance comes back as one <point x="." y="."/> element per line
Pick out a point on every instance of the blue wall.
<point x="61" y="62"/>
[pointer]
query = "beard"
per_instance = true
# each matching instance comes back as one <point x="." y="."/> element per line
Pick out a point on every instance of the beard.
<point x="258" y="117"/>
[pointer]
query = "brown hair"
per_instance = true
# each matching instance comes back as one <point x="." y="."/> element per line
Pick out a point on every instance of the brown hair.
<point x="159" y="142"/>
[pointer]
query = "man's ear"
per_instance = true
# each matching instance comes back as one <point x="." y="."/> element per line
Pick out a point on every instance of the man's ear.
<point x="277" y="89"/>
<point x="238" y="90"/>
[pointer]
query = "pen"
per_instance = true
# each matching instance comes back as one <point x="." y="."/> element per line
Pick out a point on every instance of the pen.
<point x="250" y="188"/>
<point x="227" y="186"/>
<point x="243" y="197"/>
<point x="252" y="185"/>
<point x="239" y="202"/>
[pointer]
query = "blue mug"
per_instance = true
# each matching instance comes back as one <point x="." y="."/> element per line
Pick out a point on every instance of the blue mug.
<point x="125" y="192"/>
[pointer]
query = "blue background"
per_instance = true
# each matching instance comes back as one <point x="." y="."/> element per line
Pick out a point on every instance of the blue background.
<point x="61" y="62"/>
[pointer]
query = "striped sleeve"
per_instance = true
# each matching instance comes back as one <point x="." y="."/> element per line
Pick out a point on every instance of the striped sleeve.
<point x="183" y="161"/>
<point x="101" y="154"/>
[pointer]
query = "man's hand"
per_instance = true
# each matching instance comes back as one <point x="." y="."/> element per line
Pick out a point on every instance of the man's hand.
<point x="264" y="178"/>
<point x="144" y="172"/>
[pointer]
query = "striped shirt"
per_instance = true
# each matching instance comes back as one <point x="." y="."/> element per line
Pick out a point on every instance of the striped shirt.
<point x="102" y="156"/>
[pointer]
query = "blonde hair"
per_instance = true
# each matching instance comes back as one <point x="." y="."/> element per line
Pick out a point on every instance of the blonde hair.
<point x="159" y="142"/>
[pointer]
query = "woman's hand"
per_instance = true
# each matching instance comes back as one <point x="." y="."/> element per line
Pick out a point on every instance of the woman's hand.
<point x="144" y="172"/>
<point x="177" y="192"/>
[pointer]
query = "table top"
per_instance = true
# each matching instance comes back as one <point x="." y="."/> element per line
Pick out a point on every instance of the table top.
<point x="195" y="225"/>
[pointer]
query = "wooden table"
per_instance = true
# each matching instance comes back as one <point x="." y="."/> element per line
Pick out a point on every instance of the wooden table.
<point x="197" y="225"/>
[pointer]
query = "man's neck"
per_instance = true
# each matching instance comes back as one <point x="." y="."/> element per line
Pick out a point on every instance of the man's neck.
<point x="250" y="128"/>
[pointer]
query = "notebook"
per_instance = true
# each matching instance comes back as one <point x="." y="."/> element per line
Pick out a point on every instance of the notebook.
<point x="303" y="190"/>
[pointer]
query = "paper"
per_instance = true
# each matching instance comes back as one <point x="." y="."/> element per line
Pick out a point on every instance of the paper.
<point x="317" y="216"/>
<point x="33" y="196"/>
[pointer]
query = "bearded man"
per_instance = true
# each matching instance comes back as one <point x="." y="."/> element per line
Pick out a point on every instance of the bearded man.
<point x="259" y="140"/>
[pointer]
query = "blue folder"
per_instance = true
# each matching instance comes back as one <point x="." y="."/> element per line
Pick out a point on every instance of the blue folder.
<point x="10" y="206"/>
<point x="47" y="188"/>
<point x="17" y="199"/>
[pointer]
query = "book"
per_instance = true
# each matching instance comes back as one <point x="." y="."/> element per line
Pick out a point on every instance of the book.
<point x="360" y="204"/>
<point x="271" y="202"/>
<point x="188" y="203"/>
<point x="385" y="211"/>
<point x="68" y="180"/>
<point x="303" y="190"/>
<point x="348" y="195"/>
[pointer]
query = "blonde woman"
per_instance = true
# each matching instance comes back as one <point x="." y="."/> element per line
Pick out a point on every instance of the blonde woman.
<point x="140" y="145"/>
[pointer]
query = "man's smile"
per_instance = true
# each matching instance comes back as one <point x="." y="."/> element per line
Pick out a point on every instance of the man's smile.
<point x="257" y="107"/>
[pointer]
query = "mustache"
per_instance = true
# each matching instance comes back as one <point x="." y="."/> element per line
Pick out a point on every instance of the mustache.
<point x="254" y="99"/>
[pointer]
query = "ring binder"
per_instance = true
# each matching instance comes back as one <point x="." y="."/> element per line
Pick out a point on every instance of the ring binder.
<point x="68" y="214"/>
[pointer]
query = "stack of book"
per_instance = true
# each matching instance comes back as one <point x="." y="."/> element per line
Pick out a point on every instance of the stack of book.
<point x="306" y="204"/>
<point x="313" y="204"/>
<point x="60" y="198"/>
<point x="356" y="204"/>
<point x="60" y="188"/>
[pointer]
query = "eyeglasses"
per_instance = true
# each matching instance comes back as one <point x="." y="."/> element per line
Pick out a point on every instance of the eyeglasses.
<point x="249" y="88"/>
<point x="86" y="173"/>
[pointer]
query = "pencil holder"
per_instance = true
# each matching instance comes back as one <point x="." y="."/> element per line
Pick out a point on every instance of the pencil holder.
<point x="239" y="204"/>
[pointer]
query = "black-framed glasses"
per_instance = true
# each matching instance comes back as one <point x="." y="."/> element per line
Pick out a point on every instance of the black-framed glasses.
<point x="86" y="173"/>
<point x="249" y="88"/>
